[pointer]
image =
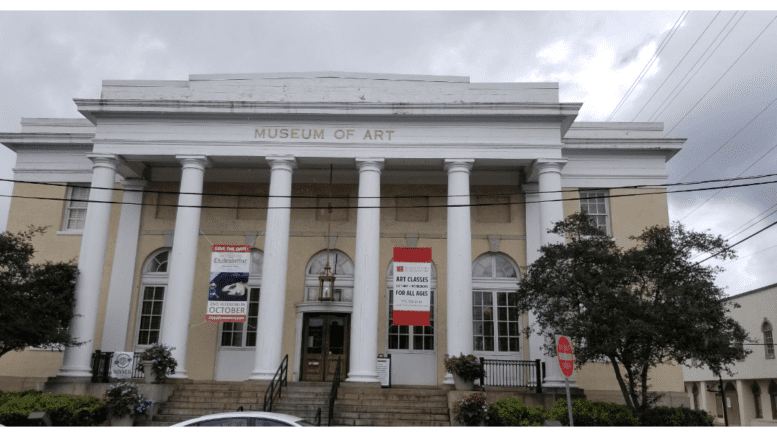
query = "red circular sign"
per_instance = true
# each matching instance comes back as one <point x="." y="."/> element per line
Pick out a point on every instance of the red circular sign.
<point x="565" y="358"/>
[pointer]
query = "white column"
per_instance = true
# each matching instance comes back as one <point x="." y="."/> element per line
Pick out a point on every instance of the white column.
<point x="703" y="398"/>
<point x="91" y="261"/>
<point x="272" y="302"/>
<point x="123" y="271"/>
<point x="532" y="253"/>
<point x="366" y="276"/>
<point x="459" y="243"/>
<point x="178" y="298"/>
<point x="551" y="211"/>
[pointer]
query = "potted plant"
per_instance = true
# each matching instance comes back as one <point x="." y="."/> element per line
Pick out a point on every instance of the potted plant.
<point x="471" y="410"/>
<point x="465" y="369"/>
<point x="124" y="403"/>
<point x="157" y="361"/>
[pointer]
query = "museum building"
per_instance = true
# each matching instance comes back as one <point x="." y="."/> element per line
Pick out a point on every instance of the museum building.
<point x="317" y="169"/>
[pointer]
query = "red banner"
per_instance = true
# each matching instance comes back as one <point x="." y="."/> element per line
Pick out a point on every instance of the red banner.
<point x="413" y="254"/>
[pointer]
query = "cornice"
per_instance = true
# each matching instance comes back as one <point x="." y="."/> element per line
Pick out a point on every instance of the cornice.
<point x="89" y="107"/>
<point x="27" y="139"/>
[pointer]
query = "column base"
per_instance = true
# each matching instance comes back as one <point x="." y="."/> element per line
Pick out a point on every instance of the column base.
<point x="448" y="382"/>
<point x="75" y="372"/>
<point x="262" y="375"/>
<point x="367" y="377"/>
<point x="363" y="384"/>
<point x="559" y="382"/>
<point x="179" y="375"/>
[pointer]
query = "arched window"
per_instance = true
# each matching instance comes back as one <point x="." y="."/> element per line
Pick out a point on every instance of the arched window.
<point x="496" y="322"/>
<point x="244" y="334"/>
<point x="403" y="338"/>
<point x="153" y="284"/>
<point x="766" y="328"/>
<point x="342" y="270"/>
<point x="773" y="398"/>
<point x="757" y="400"/>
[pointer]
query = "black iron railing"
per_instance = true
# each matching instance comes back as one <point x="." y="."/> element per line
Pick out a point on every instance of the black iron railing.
<point x="101" y="366"/>
<point x="317" y="420"/>
<point x="333" y="393"/>
<point x="278" y="382"/>
<point x="512" y="373"/>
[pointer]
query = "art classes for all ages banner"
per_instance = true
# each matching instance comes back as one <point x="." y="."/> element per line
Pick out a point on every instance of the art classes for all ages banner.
<point x="228" y="291"/>
<point x="412" y="285"/>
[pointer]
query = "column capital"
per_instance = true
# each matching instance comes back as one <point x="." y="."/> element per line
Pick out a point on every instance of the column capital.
<point x="282" y="162"/>
<point x="542" y="165"/>
<point x="370" y="164"/>
<point x="104" y="160"/>
<point x="199" y="162"/>
<point x="134" y="184"/>
<point x="453" y="165"/>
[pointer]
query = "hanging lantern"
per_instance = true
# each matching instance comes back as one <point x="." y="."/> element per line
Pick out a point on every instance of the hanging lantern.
<point x="326" y="284"/>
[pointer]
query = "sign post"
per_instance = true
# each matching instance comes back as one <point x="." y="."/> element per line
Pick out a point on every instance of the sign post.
<point x="566" y="361"/>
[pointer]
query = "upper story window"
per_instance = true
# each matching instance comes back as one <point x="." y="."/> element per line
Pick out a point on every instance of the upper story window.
<point x="75" y="208"/>
<point x="594" y="202"/>
<point x="766" y="328"/>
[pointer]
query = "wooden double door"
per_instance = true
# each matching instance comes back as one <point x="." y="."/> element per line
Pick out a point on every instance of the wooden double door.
<point x="325" y="341"/>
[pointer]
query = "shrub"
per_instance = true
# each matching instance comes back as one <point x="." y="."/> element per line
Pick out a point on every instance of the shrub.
<point x="664" y="416"/>
<point x="162" y="357"/>
<point x="64" y="410"/>
<point x="470" y="410"/>
<point x="587" y="413"/>
<point x="466" y="366"/>
<point x="124" y="400"/>
<point x="513" y="412"/>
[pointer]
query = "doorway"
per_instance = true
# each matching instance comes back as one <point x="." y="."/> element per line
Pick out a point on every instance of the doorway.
<point x="325" y="341"/>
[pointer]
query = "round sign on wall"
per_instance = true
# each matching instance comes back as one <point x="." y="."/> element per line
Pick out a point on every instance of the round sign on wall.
<point x="565" y="358"/>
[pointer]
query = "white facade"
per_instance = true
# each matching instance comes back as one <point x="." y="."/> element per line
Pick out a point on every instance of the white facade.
<point x="286" y="130"/>
<point x="751" y="394"/>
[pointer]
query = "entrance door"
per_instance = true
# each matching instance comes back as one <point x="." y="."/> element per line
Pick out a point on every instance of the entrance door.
<point x="325" y="342"/>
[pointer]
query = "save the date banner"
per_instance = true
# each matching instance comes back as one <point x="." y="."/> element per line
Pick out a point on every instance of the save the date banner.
<point x="228" y="290"/>
<point x="412" y="285"/>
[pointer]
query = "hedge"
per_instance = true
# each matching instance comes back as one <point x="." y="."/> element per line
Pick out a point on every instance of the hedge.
<point x="513" y="412"/>
<point x="587" y="413"/>
<point x="64" y="410"/>
<point x="663" y="416"/>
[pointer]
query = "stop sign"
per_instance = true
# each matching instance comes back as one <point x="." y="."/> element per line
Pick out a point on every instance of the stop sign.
<point x="565" y="358"/>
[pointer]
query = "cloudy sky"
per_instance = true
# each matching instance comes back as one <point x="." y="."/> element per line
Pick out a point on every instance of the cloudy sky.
<point x="709" y="76"/>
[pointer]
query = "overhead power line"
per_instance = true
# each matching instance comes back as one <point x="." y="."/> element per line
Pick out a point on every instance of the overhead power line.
<point x="737" y="243"/>
<point x="653" y="59"/>
<point x="676" y="66"/>
<point x="392" y="207"/>
<point x="265" y="196"/>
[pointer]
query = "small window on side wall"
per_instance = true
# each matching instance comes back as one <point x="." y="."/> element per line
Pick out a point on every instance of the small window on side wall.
<point x="595" y="204"/>
<point x="77" y="198"/>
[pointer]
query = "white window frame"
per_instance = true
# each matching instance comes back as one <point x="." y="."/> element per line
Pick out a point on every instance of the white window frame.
<point x="254" y="282"/>
<point x="64" y="229"/>
<point x="606" y="199"/>
<point x="493" y="285"/>
<point x="411" y="329"/>
<point x="151" y="279"/>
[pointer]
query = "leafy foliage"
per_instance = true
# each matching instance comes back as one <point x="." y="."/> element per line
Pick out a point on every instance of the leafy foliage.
<point x="162" y="357"/>
<point x="663" y="416"/>
<point x="587" y="413"/>
<point x="37" y="299"/>
<point x="637" y="307"/>
<point x="513" y="412"/>
<point x="471" y="410"/>
<point x="64" y="410"/>
<point x="124" y="400"/>
<point x="466" y="366"/>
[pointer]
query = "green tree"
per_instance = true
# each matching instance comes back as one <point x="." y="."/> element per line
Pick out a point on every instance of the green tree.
<point x="36" y="300"/>
<point x="636" y="307"/>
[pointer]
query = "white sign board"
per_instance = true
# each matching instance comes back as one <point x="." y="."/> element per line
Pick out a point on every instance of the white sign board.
<point x="411" y="286"/>
<point x="227" y="291"/>
<point x="122" y="364"/>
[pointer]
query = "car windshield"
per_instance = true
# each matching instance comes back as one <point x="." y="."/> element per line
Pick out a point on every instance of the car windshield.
<point x="304" y="423"/>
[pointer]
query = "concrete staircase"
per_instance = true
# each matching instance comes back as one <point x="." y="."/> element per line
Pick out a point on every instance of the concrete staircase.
<point x="355" y="405"/>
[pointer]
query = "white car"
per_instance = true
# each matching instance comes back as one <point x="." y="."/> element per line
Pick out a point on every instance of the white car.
<point x="246" y="418"/>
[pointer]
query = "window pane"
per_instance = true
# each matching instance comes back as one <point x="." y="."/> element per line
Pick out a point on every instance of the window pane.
<point x="503" y="345"/>
<point x="489" y="346"/>
<point x="226" y="338"/>
<point x="251" y="339"/>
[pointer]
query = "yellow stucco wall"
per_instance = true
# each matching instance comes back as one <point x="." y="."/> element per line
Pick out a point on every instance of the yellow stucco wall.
<point x="224" y="226"/>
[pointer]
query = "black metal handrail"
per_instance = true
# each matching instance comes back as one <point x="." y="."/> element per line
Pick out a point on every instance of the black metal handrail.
<point x="511" y="373"/>
<point x="278" y="381"/>
<point x="333" y="393"/>
<point x="317" y="420"/>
